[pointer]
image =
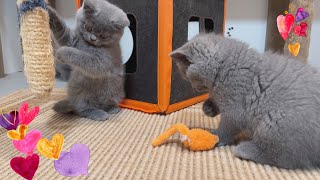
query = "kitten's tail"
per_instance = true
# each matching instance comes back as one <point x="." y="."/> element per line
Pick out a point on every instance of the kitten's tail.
<point x="63" y="107"/>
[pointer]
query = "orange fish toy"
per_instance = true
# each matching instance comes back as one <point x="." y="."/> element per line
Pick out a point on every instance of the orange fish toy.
<point x="195" y="139"/>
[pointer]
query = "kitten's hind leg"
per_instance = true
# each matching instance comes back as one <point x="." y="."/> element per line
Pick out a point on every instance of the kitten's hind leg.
<point x="249" y="150"/>
<point x="63" y="106"/>
<point x="94" y="114"/>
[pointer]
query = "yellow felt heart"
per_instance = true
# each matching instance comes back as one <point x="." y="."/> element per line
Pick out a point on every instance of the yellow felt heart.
<point x="19" y="133"/>
<point x="294" y="48"/>
<point x="51" y="149"/>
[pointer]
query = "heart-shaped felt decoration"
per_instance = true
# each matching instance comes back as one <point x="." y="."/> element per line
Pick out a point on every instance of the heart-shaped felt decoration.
<point x="29" y="143"/>
<point x="10" y="121"/>
<point x="51" y="149"/>
<point x="18" y="134"/>
<point x="26" y="117"/>
<point x="301" y="14"/>
<point x="75" y="162"/>
<point x="285" y="24"/>
<point x="294" y="48"/>
<point x="301" y="29"/>
<point x="25" y="167"/>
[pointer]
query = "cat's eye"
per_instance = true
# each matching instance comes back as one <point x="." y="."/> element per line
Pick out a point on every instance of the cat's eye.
<point x="104" y="36"/>
<point x="88" y="28"/>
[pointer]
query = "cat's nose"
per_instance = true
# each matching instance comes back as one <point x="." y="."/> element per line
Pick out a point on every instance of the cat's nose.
<point x="93" y="38"/>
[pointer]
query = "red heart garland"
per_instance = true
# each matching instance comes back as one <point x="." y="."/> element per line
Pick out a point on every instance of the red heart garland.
<point x="285" y="24"/>
<point x="301" y="29"/>
<point x="25" y="167"/>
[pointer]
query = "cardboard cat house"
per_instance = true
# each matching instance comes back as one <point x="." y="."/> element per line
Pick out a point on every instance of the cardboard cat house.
<point x="153" y="83"/>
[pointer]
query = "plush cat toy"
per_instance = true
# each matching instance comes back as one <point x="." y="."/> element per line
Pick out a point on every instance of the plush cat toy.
<point x="195" y="139"/>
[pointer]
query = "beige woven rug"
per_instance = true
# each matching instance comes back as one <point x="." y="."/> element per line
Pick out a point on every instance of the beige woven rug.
<point x="121" y="149"/>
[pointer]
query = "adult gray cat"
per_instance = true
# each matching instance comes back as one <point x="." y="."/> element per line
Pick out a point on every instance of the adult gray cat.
<point x="96" y="85"/>
<point x="271" y="100"/>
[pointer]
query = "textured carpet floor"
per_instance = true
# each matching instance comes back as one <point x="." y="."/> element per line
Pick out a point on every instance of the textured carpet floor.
<point x="121" y="149"/>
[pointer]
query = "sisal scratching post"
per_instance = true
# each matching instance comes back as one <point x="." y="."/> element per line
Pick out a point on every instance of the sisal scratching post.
<point x="36" y="45"/>
<point x="300" y="43"/>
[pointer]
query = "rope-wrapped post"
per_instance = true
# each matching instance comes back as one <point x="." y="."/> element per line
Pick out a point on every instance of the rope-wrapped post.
<point x="37" y="46"/>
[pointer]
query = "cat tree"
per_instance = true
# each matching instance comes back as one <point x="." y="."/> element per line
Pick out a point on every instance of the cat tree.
<point x="36" y="45"/>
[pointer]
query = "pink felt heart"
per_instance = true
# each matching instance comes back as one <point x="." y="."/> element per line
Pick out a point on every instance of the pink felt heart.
<point x="285" y="24"/>
<point x="26" y="117"/>
<point x="301" y="30"/>
<point x="29" y="143"/>
<point x="25" y="167"/>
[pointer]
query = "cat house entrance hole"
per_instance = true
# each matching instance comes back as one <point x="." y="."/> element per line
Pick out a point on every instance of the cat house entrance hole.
<point x="128" y="45"/>
<point x="209" y="25"/>
<point x="193" y="27"/>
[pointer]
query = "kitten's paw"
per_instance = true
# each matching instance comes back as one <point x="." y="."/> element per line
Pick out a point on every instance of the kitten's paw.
<point x="213" y="131"/>
<point x="60" y="56"/>
<point x="97" y="114"/>
<point x="114" y="110"/>
<point x="220" y="144"/>
<point x="224" y="138"/>
<point x="64" y="54"/>
<point x="210" y="108"/>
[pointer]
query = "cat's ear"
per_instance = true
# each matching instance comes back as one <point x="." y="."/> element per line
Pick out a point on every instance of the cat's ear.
<point x="121" y="24"/>
<point x="181" y="59"/>
<point x="180" y="55"/>
<point x="89" y="7"/>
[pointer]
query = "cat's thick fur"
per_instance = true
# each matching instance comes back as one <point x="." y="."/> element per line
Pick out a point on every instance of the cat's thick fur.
<point x="272" y="99"/>
<point x="96" y="85"/>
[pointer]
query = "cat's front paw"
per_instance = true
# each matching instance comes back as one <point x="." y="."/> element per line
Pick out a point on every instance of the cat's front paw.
<point x="63" y="54"/>
<point x="225" y="138"/>
<point x="53" y="18"/>
<point x="98" y="115"/>
<point x="220" y="143"/>
<point x="210" y="108"/>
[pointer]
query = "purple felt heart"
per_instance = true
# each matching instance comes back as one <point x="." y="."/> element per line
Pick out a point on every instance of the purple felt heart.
<point x="301" y="14"/>
<point x="75" y="162"/>
<point x="10" y="121"/>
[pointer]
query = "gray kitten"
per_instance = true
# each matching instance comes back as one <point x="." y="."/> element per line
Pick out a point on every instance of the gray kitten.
<point x="271" y="101"/>
<point x="96" y="85"/>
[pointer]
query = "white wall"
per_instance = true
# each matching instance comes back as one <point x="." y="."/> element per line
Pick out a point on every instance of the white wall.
<point x="314" y="56"/>
<point x="10" y="36"/>
<point x="249" y="20"/>
<point x="249" y="17"/>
